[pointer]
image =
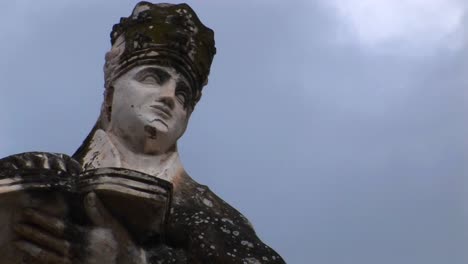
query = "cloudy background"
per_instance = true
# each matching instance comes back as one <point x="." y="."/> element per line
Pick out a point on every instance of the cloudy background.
<point x="338" y="127"/>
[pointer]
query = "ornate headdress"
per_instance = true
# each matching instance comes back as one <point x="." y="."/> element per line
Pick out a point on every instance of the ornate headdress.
<point x="159" y="34"/>
<point x="166" y="35"/>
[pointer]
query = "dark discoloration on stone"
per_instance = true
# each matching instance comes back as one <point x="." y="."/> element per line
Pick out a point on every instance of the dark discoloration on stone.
<point x="201" y="227"/>
<point x="151" y="131"/>
<point x="211" y="231"/>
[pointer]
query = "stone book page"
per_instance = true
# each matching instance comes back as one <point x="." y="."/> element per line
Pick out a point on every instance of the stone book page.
<point x="139" y="201"/>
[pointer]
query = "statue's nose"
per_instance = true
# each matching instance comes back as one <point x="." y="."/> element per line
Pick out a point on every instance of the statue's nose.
<point x="167" y="94"/>
<point x="167" y="101"/>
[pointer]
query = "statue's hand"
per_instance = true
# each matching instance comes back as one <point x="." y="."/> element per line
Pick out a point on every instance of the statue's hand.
<point x="40" y="160"/>
<point x="43" y="239"/>
<point x="109" y="239"/>
<point x="47" y="239"/>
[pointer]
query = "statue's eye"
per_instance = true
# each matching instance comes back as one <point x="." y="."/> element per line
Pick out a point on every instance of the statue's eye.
<point x="181" y="97"/>
<point x="150" y="79"/>
<point x="182" y="93"/>
<point x="152" y="76"/>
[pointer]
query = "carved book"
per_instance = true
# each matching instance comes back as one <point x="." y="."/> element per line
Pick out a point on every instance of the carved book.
<point x="138" y="200"/>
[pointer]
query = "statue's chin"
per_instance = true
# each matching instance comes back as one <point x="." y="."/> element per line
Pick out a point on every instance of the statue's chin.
<point x="155" y="147"/>
<point x="150" y="138"/>
<point x="157" y="141"/>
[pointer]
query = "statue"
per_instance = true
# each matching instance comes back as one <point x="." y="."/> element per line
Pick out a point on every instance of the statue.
<point x="124" y="196"/>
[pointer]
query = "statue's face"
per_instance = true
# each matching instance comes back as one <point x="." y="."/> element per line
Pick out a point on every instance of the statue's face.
<point x="148" y="108"/>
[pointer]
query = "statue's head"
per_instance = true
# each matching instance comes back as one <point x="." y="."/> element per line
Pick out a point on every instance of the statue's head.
<point x="154" y="73"/>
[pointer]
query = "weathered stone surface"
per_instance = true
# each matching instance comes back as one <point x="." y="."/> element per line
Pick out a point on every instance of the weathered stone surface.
<point x="125" y="197"/>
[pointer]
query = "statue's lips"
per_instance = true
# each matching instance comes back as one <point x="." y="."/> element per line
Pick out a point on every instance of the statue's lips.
<point x="163" y="110"/>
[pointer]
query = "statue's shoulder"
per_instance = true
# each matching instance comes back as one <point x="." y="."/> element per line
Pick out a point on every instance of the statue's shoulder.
<point x="195" y="195"/>
<point x="212" y="229"/>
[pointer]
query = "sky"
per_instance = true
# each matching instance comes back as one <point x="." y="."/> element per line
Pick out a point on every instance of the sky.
<point x="337" y="127"/>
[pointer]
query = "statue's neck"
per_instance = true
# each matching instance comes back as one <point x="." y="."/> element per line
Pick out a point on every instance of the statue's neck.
<point x="106" y="150"/>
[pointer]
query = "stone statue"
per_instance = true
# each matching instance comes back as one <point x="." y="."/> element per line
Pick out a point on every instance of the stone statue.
<point x="124" y="196"/>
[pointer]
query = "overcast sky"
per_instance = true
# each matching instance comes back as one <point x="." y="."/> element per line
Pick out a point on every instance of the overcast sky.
<point x="338" y="127"/>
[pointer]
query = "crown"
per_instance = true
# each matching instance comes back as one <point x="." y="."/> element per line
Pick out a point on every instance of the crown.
<point x="166" y="35"/>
